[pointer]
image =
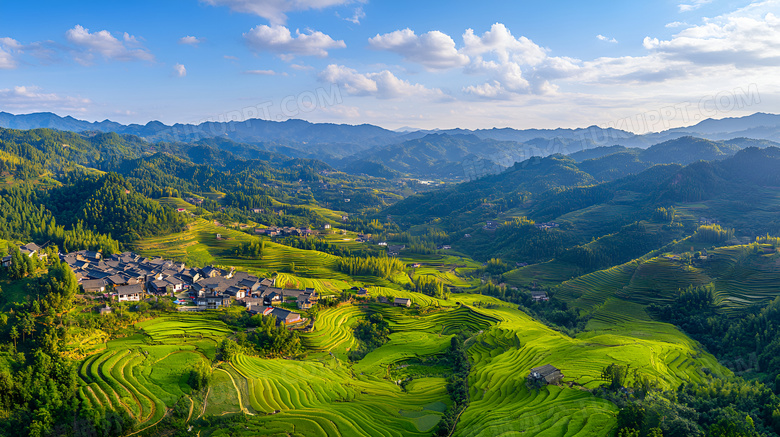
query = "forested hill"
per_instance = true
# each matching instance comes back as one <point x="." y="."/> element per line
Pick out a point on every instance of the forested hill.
<point x="55" y="189"/>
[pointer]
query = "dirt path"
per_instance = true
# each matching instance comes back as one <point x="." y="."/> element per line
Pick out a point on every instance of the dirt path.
<point x="192" y="407"/>
<point x="205" y="402"/>
<point x="154" y="424"/>
<point x="238" y="394"/>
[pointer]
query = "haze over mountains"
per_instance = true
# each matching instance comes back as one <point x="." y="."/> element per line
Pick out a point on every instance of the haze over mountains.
<point x="449" y="154"/>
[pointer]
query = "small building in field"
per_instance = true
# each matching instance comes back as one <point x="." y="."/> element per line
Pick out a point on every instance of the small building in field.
<point x="544" y="375"/>
<point x="383" y="299"/>
<point x="6" y="261"/>
<point x="362" y="293"/>
<point x="105" y="310"/>
<point x="402" y="302"/>
<point x="539" y="296"/>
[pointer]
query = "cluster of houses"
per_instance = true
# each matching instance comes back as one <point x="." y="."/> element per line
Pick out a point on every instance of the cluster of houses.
<point x="128" y="277"/>
<point x="285" y="231"/>
<point x="546" y="226"/>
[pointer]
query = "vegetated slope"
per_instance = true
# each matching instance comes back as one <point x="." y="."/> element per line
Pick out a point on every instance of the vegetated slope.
<point x="448" y="156"/>
<point x="623" y="162"/>
<point x="109" y="205"/>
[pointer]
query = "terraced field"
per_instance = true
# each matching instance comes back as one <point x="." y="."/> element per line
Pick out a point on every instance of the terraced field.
<point x="322" y="398"/>
<point x="741" y="278"/>
<point x="146" y="375"/>
<point x="502" y="356"/>
<point x="333" y="330"/>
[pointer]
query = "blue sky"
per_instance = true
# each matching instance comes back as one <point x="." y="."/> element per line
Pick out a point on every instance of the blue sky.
<point x="431" y="64"/>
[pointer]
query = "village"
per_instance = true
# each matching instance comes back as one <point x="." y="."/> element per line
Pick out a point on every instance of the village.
<point x="129" y="277"/>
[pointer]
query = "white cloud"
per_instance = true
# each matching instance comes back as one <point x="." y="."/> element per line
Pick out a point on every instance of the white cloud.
<point x="12" y="52"/>
<point x="190" y="40"/>
<point x="383" y="84"/>
<point x="695" y="4"/>
<point x="301" y="67"/>
<point x="7" y="47"/>
<point x="606" y="39"/>
<point x="264" y="73"/>
<point x="434" y="50"/>
<point x="674" y="24"/>
<point x="500" y="42"/>
<point x="357" y="16"/>
<point x="106" y="45"/>
<point x="275" y="11"/>
<point x="33" y="99"/>
<point x="278" y="39"/>
<point x="179" y="70"/>
<point x="743" y="42"/>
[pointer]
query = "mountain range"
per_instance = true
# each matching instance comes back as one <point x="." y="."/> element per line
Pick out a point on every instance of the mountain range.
<point x="455" y="154"/>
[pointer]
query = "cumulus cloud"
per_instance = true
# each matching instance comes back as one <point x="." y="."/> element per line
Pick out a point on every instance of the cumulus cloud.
<point x="383" y="84"/>
<point x="275" y="11"/>
<point x="606" y="39"/>
<point x="434" y="50"/>
<point x="30" y="98"/>
<point x="179" y="70"/>
<point x="103" y="43"/>
<point x="500" y="42"/>
<point x="190" y="40"/>
<point x="278" y="39"/>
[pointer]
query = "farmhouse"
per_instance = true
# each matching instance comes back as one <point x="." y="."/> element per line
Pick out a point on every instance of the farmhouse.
<point x="539" y="296"/>
<point x="130" y="293"/>
<point x="6" y="261"/>
<point x="362" y="293"/>
<point x="544" y="375"/>
<point x="30" y="249"/>
<point x="402" y="302"/>
<point x="93" y="286"/>
<point x="105" y="310"/>
<point x="395" y="250"/>
<point x="285" y="316"/>
<point x="304" y="302"/>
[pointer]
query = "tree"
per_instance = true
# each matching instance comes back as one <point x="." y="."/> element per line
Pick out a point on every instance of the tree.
<point x="615" y="375"/>
<point x="28" y="326"/>
<point x="200" y="375"/>
<point x="14" y="335"/>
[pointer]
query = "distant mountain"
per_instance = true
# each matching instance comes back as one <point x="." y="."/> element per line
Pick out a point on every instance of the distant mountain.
<point x="297" y="134"/>
<point x="730" y="125"/>
<point x="334" y="142"/>
<point x="460" y="156"/>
